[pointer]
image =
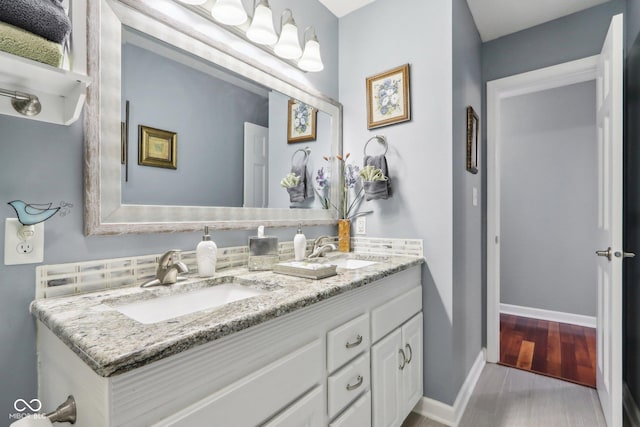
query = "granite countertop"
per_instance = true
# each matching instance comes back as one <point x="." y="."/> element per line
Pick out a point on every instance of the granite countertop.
<point x="112" y="343"/>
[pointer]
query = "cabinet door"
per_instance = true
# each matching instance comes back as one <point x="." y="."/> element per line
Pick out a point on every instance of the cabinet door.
<point x="386" y="381"/>
<point x="412" y="372"/>
<point x="306" y="412"/>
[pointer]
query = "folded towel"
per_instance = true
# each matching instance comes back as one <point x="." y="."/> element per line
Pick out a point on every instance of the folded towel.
<point x="45" y="18"/>
<point x="304" y="190"/>
<point x="19" y="42"/>
<point x="377" y="189"/>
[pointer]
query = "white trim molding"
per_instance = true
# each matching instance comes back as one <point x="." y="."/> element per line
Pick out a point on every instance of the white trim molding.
<point x="498" y="90"/>
<point x="630" y="407"/>
<point x="447" y="414"/>
<point x="553" y="316"/>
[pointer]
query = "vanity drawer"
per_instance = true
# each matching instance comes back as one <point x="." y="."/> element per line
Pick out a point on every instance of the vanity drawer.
<point x="307" y="411"/>
<point x="392" y="314"/>
<point x="357" y="415"/>
<point x="348" y="383"/>
<point x="347" y="341"/>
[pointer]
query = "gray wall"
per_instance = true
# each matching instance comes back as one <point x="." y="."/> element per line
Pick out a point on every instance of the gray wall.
<point x="467" y="219"/>
<point x="631" y="267"/>
<point x="42" y="162"/>
<point x="207" y="113"/>
<point x="548" y="202"/>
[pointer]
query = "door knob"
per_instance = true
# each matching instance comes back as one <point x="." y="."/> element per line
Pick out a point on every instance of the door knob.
<point x="624" y="254"/>
<point x="606" y="253"/>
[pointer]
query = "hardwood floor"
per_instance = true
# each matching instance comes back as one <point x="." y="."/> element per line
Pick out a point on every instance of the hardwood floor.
<point x="507" y="397"/>
<point x="556" y="349"/>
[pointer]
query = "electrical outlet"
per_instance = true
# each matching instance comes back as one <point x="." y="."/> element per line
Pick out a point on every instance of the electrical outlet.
<point x="17" y="250"/>
<point x="361" y="225"/>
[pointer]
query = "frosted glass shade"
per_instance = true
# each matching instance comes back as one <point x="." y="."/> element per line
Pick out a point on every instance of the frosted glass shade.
<point x="194" y="2"/>
<point x="261" y="30"/>
<point x="288" y="46"/>
<point x="229" y="12"/>
<point x="311" y="60"/>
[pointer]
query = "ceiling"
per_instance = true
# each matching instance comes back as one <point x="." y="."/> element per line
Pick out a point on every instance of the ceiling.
<point x="494" y="18"/>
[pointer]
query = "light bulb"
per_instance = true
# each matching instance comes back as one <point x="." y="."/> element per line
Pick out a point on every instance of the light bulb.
<point x="288" y="46"/>
<point x="261" y="30"/>
<point x="229" y="12"/>
<point x="311" y="60"/>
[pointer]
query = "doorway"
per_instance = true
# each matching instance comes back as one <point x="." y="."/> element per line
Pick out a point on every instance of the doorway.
<point x="606" y="70"/>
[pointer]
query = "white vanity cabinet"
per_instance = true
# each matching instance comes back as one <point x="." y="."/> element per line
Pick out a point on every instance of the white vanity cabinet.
<point x="396" y="360"/>
<point x="315" y="366"/>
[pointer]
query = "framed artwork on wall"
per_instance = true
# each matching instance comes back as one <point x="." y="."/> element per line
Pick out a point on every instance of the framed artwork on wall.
<point x="301" y="122"/>
<point x="157" y="148"/>
<point x="388" y="97"/>
<point x="473" y="130"/>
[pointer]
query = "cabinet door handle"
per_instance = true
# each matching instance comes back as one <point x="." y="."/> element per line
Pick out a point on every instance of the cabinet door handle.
<point x="356" y="343"/>
<point x="404" y="359"/>
<point x="408" y="347"/>
<point x="359" y="381"/>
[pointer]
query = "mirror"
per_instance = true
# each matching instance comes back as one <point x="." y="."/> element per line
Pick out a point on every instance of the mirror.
<point x="115" y="205"/>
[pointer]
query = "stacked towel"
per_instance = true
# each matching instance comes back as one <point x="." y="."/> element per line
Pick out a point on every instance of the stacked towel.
<point x="304" y="190"/>
<point x="46" y="18"/>
<point x="23" y="43"/>
<point x="377" y="189"/>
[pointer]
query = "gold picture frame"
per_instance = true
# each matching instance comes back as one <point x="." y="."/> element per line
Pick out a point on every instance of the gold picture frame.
<point x="301" y="122"/>
<point x="473" y="130"/>
<point x="157" y="148"/>
<point x="388" y="96"/>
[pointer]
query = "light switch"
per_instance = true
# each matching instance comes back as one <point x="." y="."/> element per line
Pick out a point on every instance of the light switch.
<point x="361" y="225"/>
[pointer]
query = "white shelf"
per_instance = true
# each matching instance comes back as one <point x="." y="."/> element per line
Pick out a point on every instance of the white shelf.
<point x="62" y="93"/>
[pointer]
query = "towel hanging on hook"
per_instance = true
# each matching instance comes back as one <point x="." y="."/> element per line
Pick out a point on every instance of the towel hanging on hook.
<point x="304" y="189"/>
<point x="374" y="190"/>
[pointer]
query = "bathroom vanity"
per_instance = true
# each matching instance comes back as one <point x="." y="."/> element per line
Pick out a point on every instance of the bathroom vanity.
<point x="342" y="351"/>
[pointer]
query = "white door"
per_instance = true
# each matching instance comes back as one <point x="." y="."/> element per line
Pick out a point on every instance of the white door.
<point x="256" y="166"/>
<point x="412" y="372"/>
<point x="609" y="280"/>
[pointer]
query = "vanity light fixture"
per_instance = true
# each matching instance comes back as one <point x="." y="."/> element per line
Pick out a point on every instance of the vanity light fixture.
<point x="311" y="60"/>
<point x="288" y="46"/>
<point x="193" y="2"/>
<point x="229" y="12"/>
<point x="261" y="30"/>
<point x="24" y="103"/>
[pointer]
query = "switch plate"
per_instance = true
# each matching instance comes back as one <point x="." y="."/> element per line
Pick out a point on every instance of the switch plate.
<point x="19" y="251"/>
<point x="474" y="198"/>
<point x="361" y="225"/>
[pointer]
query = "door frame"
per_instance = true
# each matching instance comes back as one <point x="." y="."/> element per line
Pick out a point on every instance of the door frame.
<point x="555" y="76"/>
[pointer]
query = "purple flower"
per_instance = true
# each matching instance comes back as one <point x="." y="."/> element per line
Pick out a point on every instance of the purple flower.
<point x="351" y="175"/>
<point x="321" y="179"/>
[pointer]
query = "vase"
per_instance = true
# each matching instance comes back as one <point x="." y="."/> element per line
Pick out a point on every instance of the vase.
<point x="344" y="235"/>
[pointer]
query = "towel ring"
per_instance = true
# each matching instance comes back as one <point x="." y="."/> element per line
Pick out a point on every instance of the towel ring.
<point x="305" y="150"/>
<point x="381" y="139"/>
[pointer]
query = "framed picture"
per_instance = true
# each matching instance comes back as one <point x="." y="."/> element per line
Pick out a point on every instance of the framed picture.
<point x="158" y="148"/>
<point x="473" y="129"/>
<point x="388" y="97"/>
<point x="301" y="122"/>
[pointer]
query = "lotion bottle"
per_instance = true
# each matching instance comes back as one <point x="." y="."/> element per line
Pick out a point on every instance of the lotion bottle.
<point x="206" y="255"/>
<point x="299" y="244"/>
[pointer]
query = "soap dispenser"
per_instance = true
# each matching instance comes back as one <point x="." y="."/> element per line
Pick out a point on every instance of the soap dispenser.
<point x="299" y="244"/>
<point x="206" y="255"/>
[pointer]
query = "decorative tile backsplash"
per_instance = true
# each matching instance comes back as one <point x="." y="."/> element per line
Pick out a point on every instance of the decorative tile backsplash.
<point x="80" y="277"/>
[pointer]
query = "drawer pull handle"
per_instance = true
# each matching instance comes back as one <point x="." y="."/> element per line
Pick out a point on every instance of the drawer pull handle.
<point x="356" y="343"/>
<point x="408" y="347"/>
<point x="359" y="381"/>
<point x="404" y="359"/>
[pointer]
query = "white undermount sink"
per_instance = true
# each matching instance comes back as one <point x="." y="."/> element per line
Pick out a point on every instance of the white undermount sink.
<point x="351" y="264"/>
<point x="174" y="305"/>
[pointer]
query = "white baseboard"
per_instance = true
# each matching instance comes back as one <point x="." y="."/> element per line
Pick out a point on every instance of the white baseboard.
<point x="553" y="316"/>
<point x="630" y="407"/>
<point x="447" y="414"/>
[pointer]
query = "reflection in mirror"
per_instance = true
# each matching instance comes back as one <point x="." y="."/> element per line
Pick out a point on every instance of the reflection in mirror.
<point x="232" y="133"/>
<point x="110" y="206"/>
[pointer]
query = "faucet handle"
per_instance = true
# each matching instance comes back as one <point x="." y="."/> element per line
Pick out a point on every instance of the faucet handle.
<point x="166" y="257"/>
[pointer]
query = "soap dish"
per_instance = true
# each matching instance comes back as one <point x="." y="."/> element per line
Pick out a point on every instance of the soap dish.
<point x="306" y="270"/>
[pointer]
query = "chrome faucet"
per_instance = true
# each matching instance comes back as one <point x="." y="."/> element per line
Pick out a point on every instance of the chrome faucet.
<point x="167" y="270"/>
<point x="320" y="248"/>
